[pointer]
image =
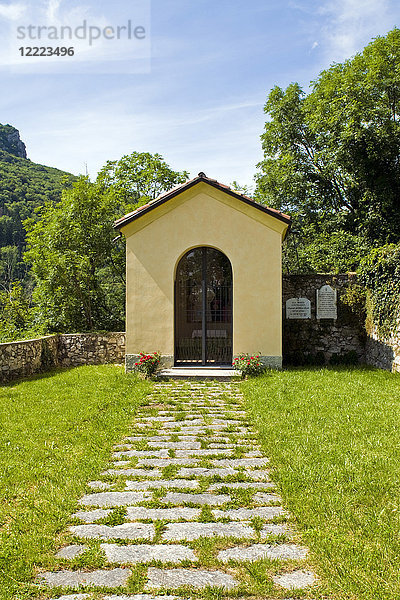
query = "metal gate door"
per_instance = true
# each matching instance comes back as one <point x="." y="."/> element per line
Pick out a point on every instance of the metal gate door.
<point x="203" y="308"/>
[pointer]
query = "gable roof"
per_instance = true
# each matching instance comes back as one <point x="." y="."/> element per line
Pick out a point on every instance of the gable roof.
<point x="201" y="178"/>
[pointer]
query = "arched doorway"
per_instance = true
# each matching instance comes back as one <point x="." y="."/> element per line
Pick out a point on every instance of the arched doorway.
<point x="203" y="308"/>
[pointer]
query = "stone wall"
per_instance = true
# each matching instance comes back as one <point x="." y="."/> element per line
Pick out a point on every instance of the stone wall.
<point x="91" y="349"/>
<point x="384" y="354"/>
<point x="27" y="357"/>
<point x="314" y="339"/>
<point x="20" y="359"/>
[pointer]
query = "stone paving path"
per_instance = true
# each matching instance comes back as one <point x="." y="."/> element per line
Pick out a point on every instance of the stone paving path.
<point x="186" y="505"/>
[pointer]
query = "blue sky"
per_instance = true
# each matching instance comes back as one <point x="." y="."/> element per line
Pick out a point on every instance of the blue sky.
<point x="201" y="102"/>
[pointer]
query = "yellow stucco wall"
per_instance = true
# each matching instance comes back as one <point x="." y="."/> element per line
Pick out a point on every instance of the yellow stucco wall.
<point x="204" y="216"/>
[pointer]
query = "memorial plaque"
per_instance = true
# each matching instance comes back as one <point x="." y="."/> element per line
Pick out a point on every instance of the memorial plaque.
<point x="326" y="303"/>
<point x="298" y="308"/>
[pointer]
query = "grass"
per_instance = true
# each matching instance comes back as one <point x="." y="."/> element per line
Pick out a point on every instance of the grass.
<point x="57" y="432"/>
<point x="333" y="439"/>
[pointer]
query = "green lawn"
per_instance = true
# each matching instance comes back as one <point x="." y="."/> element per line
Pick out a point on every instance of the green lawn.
<point x="333" y="437"/>
<point x="56" y="434"/>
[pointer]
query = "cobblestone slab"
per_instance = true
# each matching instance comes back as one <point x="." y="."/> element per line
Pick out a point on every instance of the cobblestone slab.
<point x="281" y="529"/>
<point x="210" y="499"/>
<point x="71" y="551"/>
<point x="203" y="472"/>
<point x="295" y="580"/>
<point x="99" y="485"/>
<point x="126" y="531"/>
<point x="202" y="452"/>
<point x="258" y="474"/>
<point x="135" y="513"/>
<point x="245" y="485"/>
<point x="105" y="499"/>
<point x="175" y="578"/>
<point x="72" y="597"/>
<point x="193" y="531"/>
<point x="189" y="484"/>
<point x="263" y="498"/>
<point x="176" y="445"/>
<point x="133" y="472"/>
<point x="241" y="462"/>
<point x="163" y="462"/>
<point x="162" y="418"/>
<point x="140" y="597"/>
<point x="257" y="551"/>
<point x="142" y="453"/>
<point x="74" y="579"/>
<point x="145" y="553"/>
<point x="240" y="514"/>
<point x="158" y="438"/>
<point x="91" y="515"/>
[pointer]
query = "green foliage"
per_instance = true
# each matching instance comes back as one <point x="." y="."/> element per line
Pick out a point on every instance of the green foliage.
<point x="326" y="252"/>
<point x="355" y="298"/>
<point x="79" y="271"/>
<point x="248" y="364"/>
<point x="331" y="156"/>
<point x="72" y="256"/>
<point x="139" y="177"/>
<point x="380" y="273"/>
<point x="24" y="186"/>
<point x="16" y="320"/>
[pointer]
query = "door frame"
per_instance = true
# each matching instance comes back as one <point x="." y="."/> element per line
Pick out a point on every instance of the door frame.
<point x="204" y="362"/>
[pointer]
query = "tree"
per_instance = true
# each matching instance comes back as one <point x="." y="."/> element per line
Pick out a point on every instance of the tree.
<point x="79" y="271"/>
<point x="331" y="157"/>
<point x="68" y="247"/>
<point x="139" y="177"/>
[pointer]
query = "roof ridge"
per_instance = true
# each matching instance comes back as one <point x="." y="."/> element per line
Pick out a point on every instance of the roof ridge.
<point x="201" y="177"/>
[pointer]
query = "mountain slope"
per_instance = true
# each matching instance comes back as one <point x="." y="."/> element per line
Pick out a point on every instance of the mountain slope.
<point x="24" y="186"/>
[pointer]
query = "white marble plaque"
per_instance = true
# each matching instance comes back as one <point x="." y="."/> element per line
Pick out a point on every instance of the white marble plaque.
<point x="298" y="308"/>
<point x="326" y="303"/>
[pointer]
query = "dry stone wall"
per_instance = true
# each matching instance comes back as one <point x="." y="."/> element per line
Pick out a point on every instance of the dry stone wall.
<point x="324" y="339"/>
<point x="91" y="349"/>
<point x="27" y="357"/>
<point x="384" y="353"/>
<point x="20" y="359"/>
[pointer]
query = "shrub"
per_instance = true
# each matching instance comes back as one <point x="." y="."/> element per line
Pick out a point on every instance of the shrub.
<point x="249" y="364"/>
<point x="148" y="363"/>
<point x="380" y="273"/>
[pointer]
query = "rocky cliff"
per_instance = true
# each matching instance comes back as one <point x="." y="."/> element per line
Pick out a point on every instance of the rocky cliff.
<point x="11" y="142"/>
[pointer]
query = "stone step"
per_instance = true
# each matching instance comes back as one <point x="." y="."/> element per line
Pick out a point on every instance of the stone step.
<point x="199" y="373"/>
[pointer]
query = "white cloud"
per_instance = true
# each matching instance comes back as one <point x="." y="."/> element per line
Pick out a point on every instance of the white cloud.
<point x="223" y="139"/>
<point x="52" y="10"/>
<point x="350" y="25"/>
<point x="12" y="12"/>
